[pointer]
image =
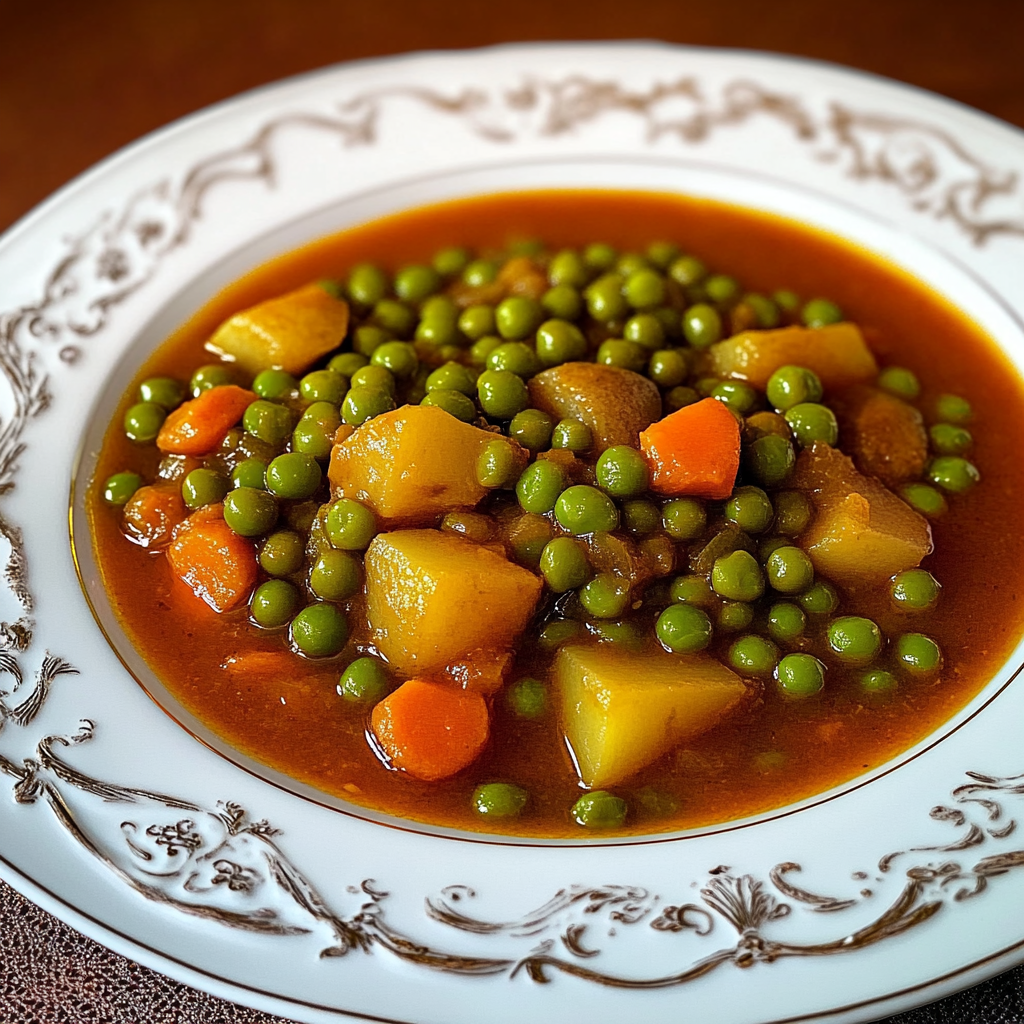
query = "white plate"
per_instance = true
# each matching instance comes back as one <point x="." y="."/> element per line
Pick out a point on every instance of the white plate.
<point x="890" y="892"/>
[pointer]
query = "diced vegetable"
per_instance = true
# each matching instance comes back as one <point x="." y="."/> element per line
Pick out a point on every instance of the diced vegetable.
<point x="215" y="562"/>
<point x="885" y="435"/>
<point x="861" y="533"/>
<point x="836" y="353"/>
<point x="151" y="514"/>
<point x="615" y="404"/>
<point x="621" y="710"/>
<point x="433" y="597"/>
<point x="413" y="463"/>
<point x="198" y="426"/>
<point x="431" y="730"/>
<point x="694" y="451"/>
<point x="290" y="332"/>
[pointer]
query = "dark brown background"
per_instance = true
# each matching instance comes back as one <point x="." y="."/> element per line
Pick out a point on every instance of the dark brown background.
<point x="78" y="79"/>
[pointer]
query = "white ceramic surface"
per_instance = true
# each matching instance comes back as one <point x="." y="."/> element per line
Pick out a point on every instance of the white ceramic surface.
<point x="894" y="890"/>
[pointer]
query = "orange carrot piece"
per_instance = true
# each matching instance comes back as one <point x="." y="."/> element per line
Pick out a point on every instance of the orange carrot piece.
<point x="152" y="513"/>
<point x="211" y="559"/>
<point x="431" y="730"/>
<point x="198" y="426"/>
<point x="694" y="451"/>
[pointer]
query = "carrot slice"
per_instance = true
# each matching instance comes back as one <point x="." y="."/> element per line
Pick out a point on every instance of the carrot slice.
<point x="431" y="730"/>
<point x="694" y="451"/>
<point x="152" y="513"/>
<point x="211" y="559"/>
<point x="198" y="426"/>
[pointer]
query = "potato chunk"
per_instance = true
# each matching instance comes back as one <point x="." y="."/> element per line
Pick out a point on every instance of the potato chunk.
<point x="620" y="711"/>
<point x="290" y="332"/>
<point x="861" y="533"/>
<point x="411" y="464"/>
<point x="433" y="599"/>
<point x="836" y="353"/>
<point x="616" y="404"/>
<point x="884" y="434"/>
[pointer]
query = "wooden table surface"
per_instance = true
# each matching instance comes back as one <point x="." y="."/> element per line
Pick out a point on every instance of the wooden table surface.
<point x="80" y="79"/>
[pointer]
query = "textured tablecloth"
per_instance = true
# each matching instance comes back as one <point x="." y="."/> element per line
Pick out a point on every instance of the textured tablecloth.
<point x="79" y="79"/>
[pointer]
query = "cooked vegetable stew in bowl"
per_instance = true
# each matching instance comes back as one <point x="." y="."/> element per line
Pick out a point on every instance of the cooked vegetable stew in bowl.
<point x="569" y="514"/>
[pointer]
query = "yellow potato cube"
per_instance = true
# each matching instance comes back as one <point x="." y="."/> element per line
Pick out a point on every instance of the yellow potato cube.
<point x="289" y="333"/>
<point x="620" y="711"/>
<point x="836" y="353"/>
<point x="411" y="465"/>
<point x="433" y="598"/>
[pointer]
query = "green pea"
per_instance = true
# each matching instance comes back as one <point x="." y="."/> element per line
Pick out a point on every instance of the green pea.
<point x="572" y="435"/>
<point x="753" y="655"/>
<point x="120" y="487"/>
<point x="501" y="393"/>
<point x="166" y="392"/>
<point x="496" y="464"/>
<point x="249" y="512"/>
<point x="918" y="654"/>
<point x="800" y="675"/>
<point x="630" y="263"/>
<point x="604" y="298"/>
<point x="786" y="299"/>
<point x="953" y="474"/>
<point x="640" y="516"/>
<point x="499" y="800"/>
<point x="583" y="509"/>
<point x="350" y="525"/>
<point x="477" y="321"/>
<point x="626" y="355"/>
<point x="326" y="385"/>
<point x="878" y="681"/>
<point x="722" y="288"/>
<point x="766" y="312"/>
<point x="567" y="267"/>
<point x="811" y="423"/>
<point x="734" y="616"/>
<point x="539" y="486"/>
<point x="854" y="639"/>
<point x="950" y="439"/>
<point x="481" y="349"/>
<point x="623" y="634"/>
<point x="294" y="475"/>
<point x="953" y="409"/>
<point x="452" y="377"/>
<point x="600" y="810"/>
<point x="213" y="375"/>
<point x="398" y="358"/>
<point x="770" y="460"/>
<point x="558" y="632"/>
<point x="274" y="603"/>
<point x="679" y="397"/>
<point x="793" y="385"/>
<point x="335" y="576"/>
<point x="687" y="270"/>
<point x="914" y="590"/>
<point x="450" y="262"/>
<point x="683" y="629"/>
<point x="671" y="321"/>
<point x="282" y="553"/>
<point x="644" y="288"/>
<point x="668" y="367"/>
<point x="605" y="596"/>
<point x="900" y="381"/>
<point x="366" y="339"/>
<point x="820" y="313"/>
<point x="314" y="433"/>
<point x="924" y="499"/>
<point x="268" y="421"/>
<point x="455" y="403"/>
<point x="563" y="301"/>
<point x="563" y="564"/>
<point x="702" y="325"/>
<point x="786" y="622"/>
<point x="532" y="429"/>
<point x="394" y="317"/>
<point x="819" y="599"/>
<point x="750" y="509"/>
<point x="415" y="283"/>
<point x="789" y="570"/>
<point x="365" y="681"/>
<point x="559" y="341"/>
<point x="515" y="357"/>
<point x="792" y="513"/>
<point x="363" y="403"/>
<point x="622" y="471"/>
<point x="319" y="630"/>
<point x="738" y="577"/>
<point x="250" y="473"/>
<point x="142" y="422"/>
<point x="739" y="397"/>
<point x="367" y="284"/>
<point x="479" y="272"/>
<point x="203" y="487"/>
<point x="528" y="698"/>
<point x="662" y="254"/>
<point x="439" y="331"/>
<point x="692" y="590"/>
<point x="517" y="317"/>
<point x="600" y="255"/>
<point x="684" y="518"/>
<point x="645" y="329"/>
<point x="769" y="545"/>
<point x="275" y="384"/>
